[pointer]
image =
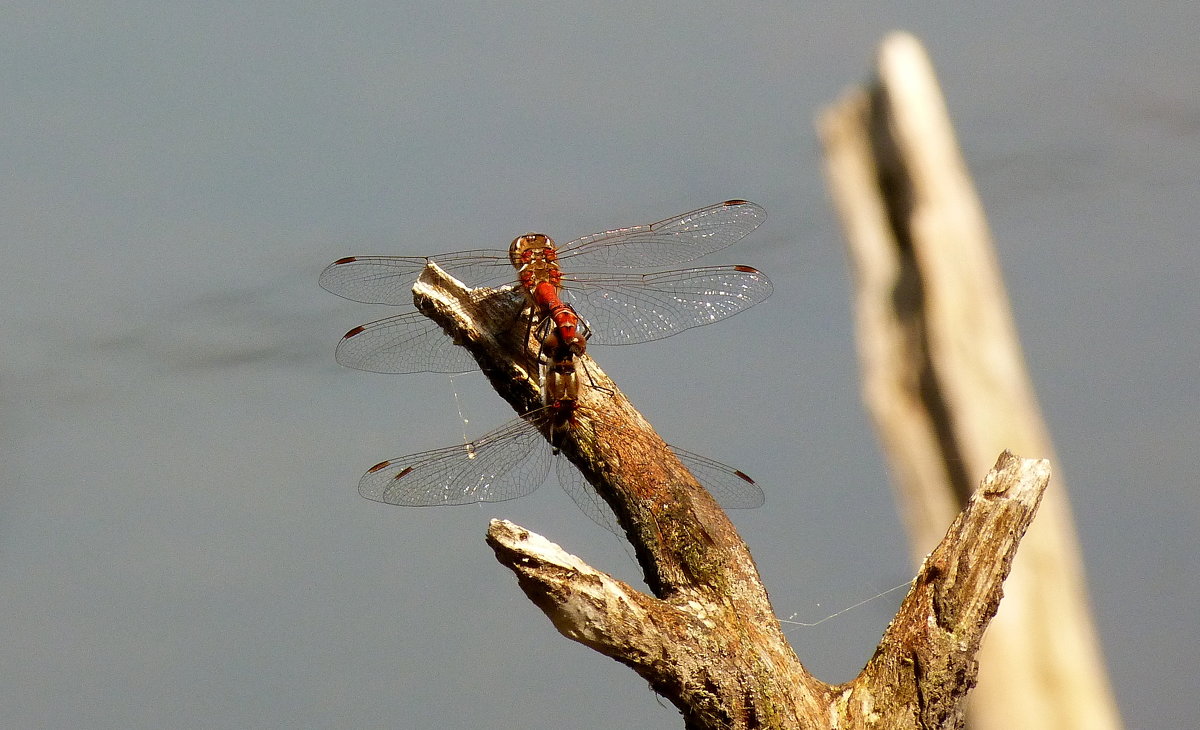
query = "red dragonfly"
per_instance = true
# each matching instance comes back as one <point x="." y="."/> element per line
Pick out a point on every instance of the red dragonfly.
<point x="514" y="459"/>
<point x="623" y="307"/>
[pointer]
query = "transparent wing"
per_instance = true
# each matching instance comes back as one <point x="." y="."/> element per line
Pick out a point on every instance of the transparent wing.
<point x="585" y="496"/>
<point x="671" y="241"/>
<point x="623" y="309"/>
<point x="389" y="279"/>
<point x="507" y="463"/>
<point x="406" y="343"/>
<point x="732" y="488"/>
<point x="373" y="279"/>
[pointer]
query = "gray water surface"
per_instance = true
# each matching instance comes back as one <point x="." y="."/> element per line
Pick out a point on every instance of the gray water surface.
<point x="181" y="542"/>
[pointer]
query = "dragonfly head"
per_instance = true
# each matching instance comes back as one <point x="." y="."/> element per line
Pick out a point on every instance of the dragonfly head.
<point x="530" y="247"/>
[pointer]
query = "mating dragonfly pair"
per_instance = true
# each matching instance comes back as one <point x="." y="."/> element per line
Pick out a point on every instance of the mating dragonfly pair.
<point x="622" y="307"/>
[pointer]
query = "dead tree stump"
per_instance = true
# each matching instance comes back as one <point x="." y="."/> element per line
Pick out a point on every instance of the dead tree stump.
<point x="705" y="636"/>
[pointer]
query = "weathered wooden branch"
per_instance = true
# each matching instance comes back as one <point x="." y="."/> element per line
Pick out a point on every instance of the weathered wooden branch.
<point x="945" y="380"/>
<point x="707" y="638"/>
<point x="926" y="662"/>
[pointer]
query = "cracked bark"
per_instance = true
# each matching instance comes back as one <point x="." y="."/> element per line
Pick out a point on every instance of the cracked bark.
<point x="705" y="636"/>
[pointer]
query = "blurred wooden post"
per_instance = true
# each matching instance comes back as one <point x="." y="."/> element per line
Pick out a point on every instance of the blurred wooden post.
<point x="945" y="381"/>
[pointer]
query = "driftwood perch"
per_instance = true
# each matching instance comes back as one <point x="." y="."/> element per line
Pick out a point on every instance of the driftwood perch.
<point x="945" y="381"/>
<point x="707" y="638"/>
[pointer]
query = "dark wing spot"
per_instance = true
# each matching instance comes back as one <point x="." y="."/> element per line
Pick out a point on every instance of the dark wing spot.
<point x="742" y="475"/>
<point x="377" y="467"/>
<point x="347" y="260"/>
<point x="357" y="330"/>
